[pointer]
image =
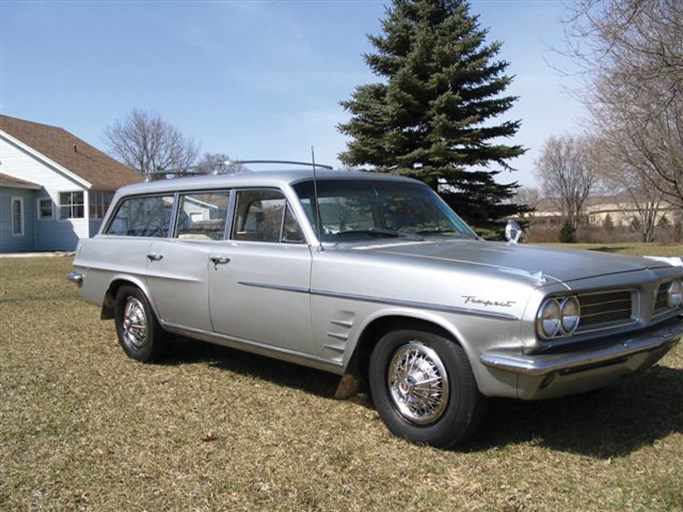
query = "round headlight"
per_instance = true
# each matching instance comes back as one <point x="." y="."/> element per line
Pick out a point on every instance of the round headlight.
<point x="570" y="314"/>
<point x="548" y="319"/>
<point x="675" y="294"/>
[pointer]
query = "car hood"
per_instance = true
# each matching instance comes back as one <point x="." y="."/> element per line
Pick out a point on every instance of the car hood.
<point x="539" y="262"/>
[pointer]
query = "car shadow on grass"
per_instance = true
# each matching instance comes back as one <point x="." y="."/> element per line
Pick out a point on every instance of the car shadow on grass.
<point x="604" y="424"/>
<point x="295" y="376"/>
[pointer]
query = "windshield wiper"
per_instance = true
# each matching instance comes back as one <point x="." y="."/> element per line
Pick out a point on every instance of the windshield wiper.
<point x="377" y="232"/>
<point x="435" y="231"/>
<point x="440" y="231"/>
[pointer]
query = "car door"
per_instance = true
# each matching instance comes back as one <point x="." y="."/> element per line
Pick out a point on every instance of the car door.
<point x="178" y="266"/>
<point x="259" y="280"/>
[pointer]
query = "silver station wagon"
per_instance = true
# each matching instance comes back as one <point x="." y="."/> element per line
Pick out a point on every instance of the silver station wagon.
<point x="374" y="278"/>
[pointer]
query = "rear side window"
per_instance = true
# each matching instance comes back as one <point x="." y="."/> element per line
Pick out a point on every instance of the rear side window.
<point x="143" y="216"/>
<point x="202" y="216"/>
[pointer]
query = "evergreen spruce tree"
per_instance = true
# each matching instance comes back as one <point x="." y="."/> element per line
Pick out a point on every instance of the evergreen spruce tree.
<point x="431" y="116"/>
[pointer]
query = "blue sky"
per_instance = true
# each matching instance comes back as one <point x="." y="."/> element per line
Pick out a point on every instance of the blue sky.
<point x="253" y="79"/>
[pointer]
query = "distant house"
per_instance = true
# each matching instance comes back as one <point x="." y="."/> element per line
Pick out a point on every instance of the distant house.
<point x="620" y="209"/>
<point x="54" y="187"/>
<point x="623" y="211"/>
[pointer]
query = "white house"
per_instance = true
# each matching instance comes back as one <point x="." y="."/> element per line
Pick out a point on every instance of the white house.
<point x="54" y="187"/>
<point x="620" y="208"/>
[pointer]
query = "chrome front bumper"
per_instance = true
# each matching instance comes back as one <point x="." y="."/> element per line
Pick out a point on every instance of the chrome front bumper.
<point x="551" y="375"/>
<point x="542" y="364"/>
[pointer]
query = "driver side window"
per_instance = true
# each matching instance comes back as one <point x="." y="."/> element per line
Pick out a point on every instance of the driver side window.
<point x="264" y="216"/>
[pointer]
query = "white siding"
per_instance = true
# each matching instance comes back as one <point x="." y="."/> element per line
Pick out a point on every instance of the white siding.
<point x="8" y="241"/>
<point x="54" y="234"/>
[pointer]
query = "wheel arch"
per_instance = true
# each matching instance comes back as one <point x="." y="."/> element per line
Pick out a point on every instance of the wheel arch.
<point x="354" y="378"/>
<point x="109" y="300"/>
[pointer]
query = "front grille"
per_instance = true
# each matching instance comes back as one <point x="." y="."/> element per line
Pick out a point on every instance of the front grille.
<point x="606" y="309"/>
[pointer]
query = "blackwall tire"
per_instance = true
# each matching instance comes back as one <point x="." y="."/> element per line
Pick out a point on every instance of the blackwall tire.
<point x="137" y="327"/>
<point x="424" y="389"/>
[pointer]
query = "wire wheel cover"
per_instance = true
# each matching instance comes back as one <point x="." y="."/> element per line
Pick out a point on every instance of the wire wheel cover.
<point x="134" y="324"/>
<point x="418" y="383"/>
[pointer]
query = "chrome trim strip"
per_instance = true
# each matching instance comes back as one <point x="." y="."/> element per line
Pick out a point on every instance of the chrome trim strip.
<point x="414" y="304"/>
<point x="542" y="364"/>
<point x="341" y="337"/>
<point x="342" y="323"/>
<point x="335" y="348"/>
<point x="386" y="301"/>
<point x="284" y="288"/>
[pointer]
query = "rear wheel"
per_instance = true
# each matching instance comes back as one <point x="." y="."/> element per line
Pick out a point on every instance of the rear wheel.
<point x="423" y="387"/>
<point x="137" y="328"/>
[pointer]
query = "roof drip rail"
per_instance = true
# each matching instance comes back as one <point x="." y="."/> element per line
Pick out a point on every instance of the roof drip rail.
<point x="227" y="167"/>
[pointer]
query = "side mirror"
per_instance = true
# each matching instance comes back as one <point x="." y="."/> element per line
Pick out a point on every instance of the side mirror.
<point x="513" y="231"/>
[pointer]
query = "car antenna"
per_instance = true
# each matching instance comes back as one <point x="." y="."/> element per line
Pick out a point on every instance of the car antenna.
<point x="318" y="219"/>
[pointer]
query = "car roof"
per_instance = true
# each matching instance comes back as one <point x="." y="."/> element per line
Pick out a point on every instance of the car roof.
<point x="255" y="179"/>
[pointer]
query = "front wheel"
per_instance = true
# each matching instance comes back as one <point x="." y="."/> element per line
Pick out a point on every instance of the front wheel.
<point x="423" y="387"/>
<point x="137" y="328"/>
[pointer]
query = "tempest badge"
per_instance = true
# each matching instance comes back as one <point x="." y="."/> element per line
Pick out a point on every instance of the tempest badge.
<point x="470" y="299"/>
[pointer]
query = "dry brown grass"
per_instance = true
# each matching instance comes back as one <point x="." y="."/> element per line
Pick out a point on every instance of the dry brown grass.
<point x="633" y="249"/>
<point x="84" y="428"/>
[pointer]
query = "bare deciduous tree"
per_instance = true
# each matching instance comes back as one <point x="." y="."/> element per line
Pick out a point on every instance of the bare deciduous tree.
<point x="217" y="163"/>
<point x="617" y="176"/>
<point x="150" y="145"/>
<point x="528" y="196"/>
<point x="632" y="54"/>
<point x="565" y="174"/>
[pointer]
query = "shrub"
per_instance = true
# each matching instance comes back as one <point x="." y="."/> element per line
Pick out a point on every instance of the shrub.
<point x="567" y="233"/>
<point x="671" y="233"/>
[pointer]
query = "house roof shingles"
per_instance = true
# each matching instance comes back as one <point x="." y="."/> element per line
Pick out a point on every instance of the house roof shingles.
<point x="12" y="181"/>
<point x="89" y="163"/>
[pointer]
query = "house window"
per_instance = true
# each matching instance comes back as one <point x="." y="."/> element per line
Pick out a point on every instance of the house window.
<point x="71" y="205"/>
<point x="45" y="211"/>
<point x="17" y="217"/>
<point x="99" y="203"/>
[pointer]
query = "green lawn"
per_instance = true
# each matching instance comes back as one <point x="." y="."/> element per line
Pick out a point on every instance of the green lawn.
<point x="84" y="428"/>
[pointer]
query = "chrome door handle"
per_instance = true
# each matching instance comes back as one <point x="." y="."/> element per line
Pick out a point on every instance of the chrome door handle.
<point x="155" y="256"/>
<point x="219" y="260"/>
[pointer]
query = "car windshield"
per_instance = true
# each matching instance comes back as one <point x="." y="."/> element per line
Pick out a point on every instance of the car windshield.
<point x="352" y="210"/>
